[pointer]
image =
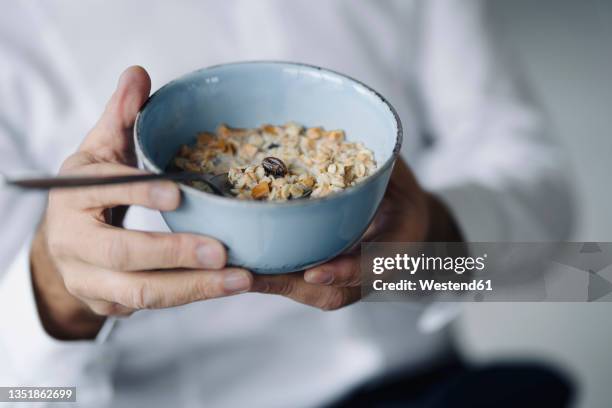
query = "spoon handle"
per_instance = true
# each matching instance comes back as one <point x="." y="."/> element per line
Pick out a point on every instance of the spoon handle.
<point x="45" y="183"/>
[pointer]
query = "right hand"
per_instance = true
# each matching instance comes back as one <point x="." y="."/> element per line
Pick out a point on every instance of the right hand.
<point x="85" y="267"/>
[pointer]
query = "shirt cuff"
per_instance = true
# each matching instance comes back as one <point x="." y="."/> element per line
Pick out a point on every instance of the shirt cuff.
<point x="33" y="358"/>
<point x="475" y="209"/>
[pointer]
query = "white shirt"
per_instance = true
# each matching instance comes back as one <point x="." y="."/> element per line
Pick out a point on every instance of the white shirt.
<point x="487" y="154"/>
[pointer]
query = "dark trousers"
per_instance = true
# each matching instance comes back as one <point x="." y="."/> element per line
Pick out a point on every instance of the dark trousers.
<point x="459" y="385"/>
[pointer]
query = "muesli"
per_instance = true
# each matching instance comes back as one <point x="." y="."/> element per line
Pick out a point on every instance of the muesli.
<point x="278" y="163"/>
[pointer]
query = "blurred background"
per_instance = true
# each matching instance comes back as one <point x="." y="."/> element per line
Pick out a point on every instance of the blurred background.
<point x="566" y="48"/>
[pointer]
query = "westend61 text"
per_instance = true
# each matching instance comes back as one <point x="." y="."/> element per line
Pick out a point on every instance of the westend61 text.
<point x="428" y="285"/>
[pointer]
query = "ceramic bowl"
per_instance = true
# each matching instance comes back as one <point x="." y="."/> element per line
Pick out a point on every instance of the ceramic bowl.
<point x="271" y="237"/>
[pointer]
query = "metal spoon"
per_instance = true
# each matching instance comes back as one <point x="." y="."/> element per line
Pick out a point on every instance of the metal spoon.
<point x="218" y="183"/>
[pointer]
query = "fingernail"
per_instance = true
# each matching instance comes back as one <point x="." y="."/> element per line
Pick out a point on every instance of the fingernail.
<point x="319" y="276"/>
<point x="236" y="282"/>
<point x="163" y="196"/>
<point x="122" y="79"/>
<point x="125" y="76"/>
<point x="210" y="256"/>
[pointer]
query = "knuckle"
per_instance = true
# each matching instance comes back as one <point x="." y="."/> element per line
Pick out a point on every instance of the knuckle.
<point x="144" y="296"/>
<point x="286" y="287"/>
<point x="95" y="196"/>
<point x="204" y="290"/>
<point x="138" y="193"/>
<point x="133" y="192"/>
<point x="352" y="278"/>
<point x="349" y="273"/>
<point x="334" y="300"/>
<point x="140" y="296"/>
<point x="116" y="254"/>
<point x="174" y="248"/>
<point x="261" y="285"/>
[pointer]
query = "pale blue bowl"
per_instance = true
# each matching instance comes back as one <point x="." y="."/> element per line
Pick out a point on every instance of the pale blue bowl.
<point x="271" y="237"/>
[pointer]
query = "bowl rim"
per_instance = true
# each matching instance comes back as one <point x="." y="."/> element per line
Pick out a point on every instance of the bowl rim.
<point x="380" y="170"/>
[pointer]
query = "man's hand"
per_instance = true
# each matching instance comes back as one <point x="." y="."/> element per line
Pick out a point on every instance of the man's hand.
<point x="407" y="214"/>
<point x="86" y="267"/>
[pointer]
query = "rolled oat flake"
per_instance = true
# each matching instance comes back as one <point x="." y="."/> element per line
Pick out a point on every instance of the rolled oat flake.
<point x="274" y="167"/>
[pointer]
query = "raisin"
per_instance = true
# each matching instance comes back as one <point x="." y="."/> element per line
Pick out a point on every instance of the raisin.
<point x="274" y="167"/>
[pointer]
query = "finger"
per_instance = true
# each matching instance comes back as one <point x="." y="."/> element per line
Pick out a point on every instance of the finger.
<point x="293" y="286"/>
<point x="126" y="250"/>
<point x="159" y="195"/>
<point x="111" y="137"/>
<point x="343" y="271"/>
<point x="168" y="288"/>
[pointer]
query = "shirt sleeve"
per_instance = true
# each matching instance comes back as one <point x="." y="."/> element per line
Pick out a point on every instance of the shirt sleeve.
<point x="30" y="357"/>
<point x="493" y="158"/>
<point x="31" y="99"/>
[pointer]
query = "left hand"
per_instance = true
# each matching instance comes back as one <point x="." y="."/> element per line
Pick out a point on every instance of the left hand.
<point x="406" y="214"/>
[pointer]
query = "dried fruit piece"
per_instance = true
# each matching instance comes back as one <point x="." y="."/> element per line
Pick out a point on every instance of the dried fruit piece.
<point x="274" y="167"/>
<point x="337" y="135"/>
<point x="308" y="181"/>
<point x="314" y="133"/>
<point x="260" y="191"/>
<point x="269" y="129"/>
<point x="219" y="145"/>
<point x="204" y="138"/>
<point x="248" y="151"/>
<point x="223" y="130"/>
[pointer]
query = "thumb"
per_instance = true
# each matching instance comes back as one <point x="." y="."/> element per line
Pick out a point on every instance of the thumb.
<point x="111" y="138"/>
